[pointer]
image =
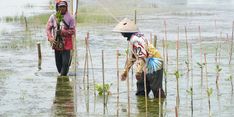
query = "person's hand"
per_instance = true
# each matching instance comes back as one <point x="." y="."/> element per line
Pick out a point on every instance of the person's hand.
<point x="52" y="40"/>
<point x="124" y="76"/>
<point x="138" y="76"/>
<point x="58" y="32"/>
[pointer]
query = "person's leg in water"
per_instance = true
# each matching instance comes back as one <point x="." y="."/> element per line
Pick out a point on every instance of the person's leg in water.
<point x="58" y="60"/>
<point x="141" y="86"/>
<point x="156" y="83"/>
<point x="65" y="62"/>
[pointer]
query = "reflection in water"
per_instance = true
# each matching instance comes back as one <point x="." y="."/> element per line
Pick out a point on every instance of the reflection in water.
<point x="153" y="107"/>
<point x="63" y="103"/>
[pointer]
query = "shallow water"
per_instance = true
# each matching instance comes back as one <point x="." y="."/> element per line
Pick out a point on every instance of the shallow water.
<point x="21" y="83"/>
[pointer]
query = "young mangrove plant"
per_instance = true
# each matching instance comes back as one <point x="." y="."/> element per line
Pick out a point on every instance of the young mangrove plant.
<point x="190" y="92"/>
<point x="209" y="93"/>
<point x="209" y="90"/>
<point x="230" y="79"/>
<point x="218" y="70"/>
<point x="177" y="75"/>
<point x="103" y="90"/>
<point x="201" y="65"/>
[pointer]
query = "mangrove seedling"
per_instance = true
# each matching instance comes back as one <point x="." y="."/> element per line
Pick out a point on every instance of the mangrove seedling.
<point x="177" y="74"/>
<point x="103" y="89"/>
<point x="190" y="92"/>
<point x="230" y="79"/>
<point x="187" y="64"/>
<point x="209" y="93"/>
<point x="201" y="65"/>
<point x="59" y="16"/>
<point x="218" y="69"/>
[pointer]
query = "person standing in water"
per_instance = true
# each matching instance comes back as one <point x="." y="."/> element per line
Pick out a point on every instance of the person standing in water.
<point x="60" y="28"/>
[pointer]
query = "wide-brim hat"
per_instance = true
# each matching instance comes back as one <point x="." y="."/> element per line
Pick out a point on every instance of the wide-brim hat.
<point x="126" y="26"/>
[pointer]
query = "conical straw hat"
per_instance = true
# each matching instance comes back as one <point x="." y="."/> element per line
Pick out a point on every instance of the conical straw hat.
<point x="126" y="25"/>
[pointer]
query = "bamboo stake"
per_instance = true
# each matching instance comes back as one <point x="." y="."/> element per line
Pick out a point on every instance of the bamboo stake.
<point x="74" y="55"/>
<point x="176" y="111"/>
<point x="207" y="87"/>
<point x="216" y="49"/>
<point x="146" y="104"/>
<point x="166" y="45"/>
<point x="165" y="70"/>
<point x="187" y="61"/>
<point x="76" y="13"/>
<point x="26" y="23"/>
<point x="199" y="29"/>
<point x="231" y="82"/>
<point x="71" y="6"/>
<point x="85" y="73"/>
<point x="135" y="16"/>
<point x="230" y="59"/>
<point x="186" y="38"/>
<point x="159" y="102"/>
<point x="220" y="48"/>
<point x="87" y="69"/>
<point x="155" y="41"/>
<point x="117" y="65"/>
<point x="191" y="58"/>
<point x="91" y="61"/>
<point x="177" y="69"/>
<point x="128" y="88"/>
<point x="165" y="55"/>
<point x="177" y="50"/>
<point x="151" y="40"/>
<point x="39" y="55"/>
<point x="103" y="82"/>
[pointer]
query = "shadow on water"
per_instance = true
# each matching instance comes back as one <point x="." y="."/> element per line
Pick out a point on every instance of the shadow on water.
<point x="63" y="105"/>
<point x="154" y="109"/>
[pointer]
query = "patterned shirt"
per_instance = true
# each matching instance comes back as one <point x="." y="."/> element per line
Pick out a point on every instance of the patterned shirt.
<point x="67" y="29"/>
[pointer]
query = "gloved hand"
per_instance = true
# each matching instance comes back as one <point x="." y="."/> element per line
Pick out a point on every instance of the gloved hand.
<point x="124" y="76"/>
<point x="138" y="75"/>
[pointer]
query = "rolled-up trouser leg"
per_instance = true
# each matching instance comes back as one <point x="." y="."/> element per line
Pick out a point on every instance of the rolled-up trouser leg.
<point x="65" y="62"/>
<point x="156" y="82"/>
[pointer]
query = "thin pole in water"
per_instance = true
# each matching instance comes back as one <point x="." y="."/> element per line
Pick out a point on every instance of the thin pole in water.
<point x="103" y="83"/>
<point x="159" y="102"/>
<point x="117" y="65"/>
<point x="155" y="41"/>
<point x="200" y="42"/>
<point x="135" y="16"/>
<point x="146" y="104"/>
<point x="191" y="61"/>
<point x="177" y="68"/>
<point x="39" y="55"/>
<point x="87" y="68"/>
<point x="230" y="59"/>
